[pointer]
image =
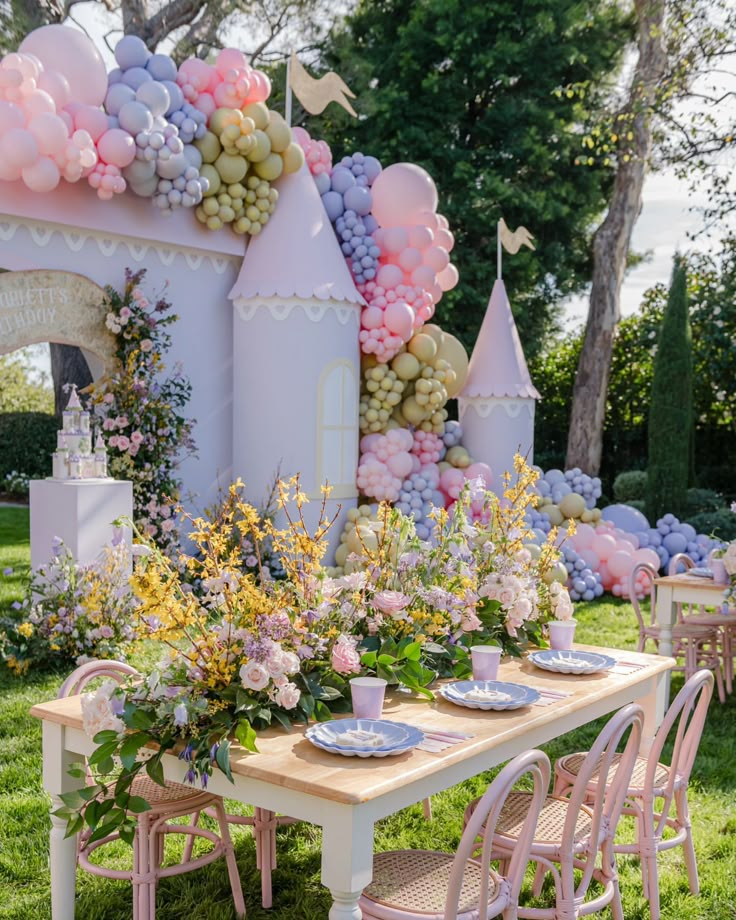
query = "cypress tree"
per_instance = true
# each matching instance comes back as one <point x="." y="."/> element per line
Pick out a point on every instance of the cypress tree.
<point x="670" y="409"/>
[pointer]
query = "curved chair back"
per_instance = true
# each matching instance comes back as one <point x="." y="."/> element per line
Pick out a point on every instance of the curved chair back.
<point x="635" y="602"/>
<point x="92" y="670"/>
<point x="686" y="718"/>
<point x="613" y="774"/>
<point x="483" y="823"/>
<point x="679" y="559"/>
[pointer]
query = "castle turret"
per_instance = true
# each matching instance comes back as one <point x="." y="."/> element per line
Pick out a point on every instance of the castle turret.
<point x="496" y="404"/>
<point x="296" y="361"/>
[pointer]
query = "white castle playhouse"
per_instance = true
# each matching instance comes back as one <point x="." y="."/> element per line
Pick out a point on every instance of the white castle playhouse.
<point x="269" y="340"/>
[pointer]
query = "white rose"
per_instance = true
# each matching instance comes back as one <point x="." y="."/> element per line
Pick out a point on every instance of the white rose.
<point x="254" y="676"/>
<point x="288" y="696"/>
<point x="97" y="716"/>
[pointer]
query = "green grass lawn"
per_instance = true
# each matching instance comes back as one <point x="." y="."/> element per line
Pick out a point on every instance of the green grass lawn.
<point x="298" y="895"/>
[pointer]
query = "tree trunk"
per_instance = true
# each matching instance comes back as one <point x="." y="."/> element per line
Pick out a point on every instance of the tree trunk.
<point x="611" y="248"/>
<point x="68" y="365"/>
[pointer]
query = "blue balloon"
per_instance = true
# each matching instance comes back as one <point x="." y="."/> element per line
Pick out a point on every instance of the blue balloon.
<point x="155" y="96"/>
<point x="675" y="543"/>
<point x="161" y="67"/>
<point x="333" y="205"/>
<point x="342" y="179"/>
<point x="136" y="76"/>
<point x="135" y="117"/>
<point x="358" y="199"/>
<point x="627" y="518"/>
<point x="175" y="95"/>
<point x="371" y="169"/>
<point x="131" y="51"/>
<point x="117" y="95"/>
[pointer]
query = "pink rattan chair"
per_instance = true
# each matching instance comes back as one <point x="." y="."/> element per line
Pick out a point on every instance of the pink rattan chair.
<point x="698" y="644"/>
<point x="174" y="800"/>
<point x="570" y="834"/>
<point x="699" y="617"/>
<point x="430" y="885"/>
<point x="651" y="781"/>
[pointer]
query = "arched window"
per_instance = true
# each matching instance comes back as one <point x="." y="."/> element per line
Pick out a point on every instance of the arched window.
<point x="337" y="437"/>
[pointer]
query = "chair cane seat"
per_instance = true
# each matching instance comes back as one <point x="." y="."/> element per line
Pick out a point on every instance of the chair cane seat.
<point x="570" y="766"/>
<point x="549" y="825"/>
<point x="417" y="881"/>
<point x="165" y="796"/>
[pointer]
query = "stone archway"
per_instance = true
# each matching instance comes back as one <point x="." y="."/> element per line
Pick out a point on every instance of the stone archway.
<point x="43" y="305"/>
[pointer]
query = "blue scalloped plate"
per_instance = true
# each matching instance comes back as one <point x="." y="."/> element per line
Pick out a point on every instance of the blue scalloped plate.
<point x="501" y="694"/>
<point x="390" y="738"/>
<point x="571" y="662"/>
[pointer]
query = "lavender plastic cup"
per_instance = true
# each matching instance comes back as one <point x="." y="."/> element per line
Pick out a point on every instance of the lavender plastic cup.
<point x="368" y="694"/>
<point x="561" y="634"/>
<point x="485" y="660"/>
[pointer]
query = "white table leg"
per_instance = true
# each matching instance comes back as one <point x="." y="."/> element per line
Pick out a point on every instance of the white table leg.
<point x="347" y="860"/>
<point x="666" y="612"/>
<point x="63" y="851"/>
<point x="654" y="703"/>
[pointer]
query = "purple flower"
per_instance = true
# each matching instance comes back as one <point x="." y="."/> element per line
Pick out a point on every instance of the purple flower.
<point x="8" y="571"/>
<point x="213" y="751"/>
<point x="117" y="704"/>
<point x="190" y="776"/>
<point x="205" y="779"/>
<point x="186" y="754"/>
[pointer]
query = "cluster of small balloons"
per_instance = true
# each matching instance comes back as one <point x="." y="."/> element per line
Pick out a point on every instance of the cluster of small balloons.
<point x="183" y="137"/>
<point x="556" y="484"/>
<point x="612" y="553"/>
<point x="419" y="496"/>
<point x="583" y="583"/>
<point x="317" y="154"/>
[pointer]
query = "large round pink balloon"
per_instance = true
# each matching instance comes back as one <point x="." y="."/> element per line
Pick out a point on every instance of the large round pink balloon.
<point x="72" y="54"/>
<point x="400" y="193"/>
<point x="116" y="147"/>
<point x="399" y="319"/>
<point x="41" y="176"/>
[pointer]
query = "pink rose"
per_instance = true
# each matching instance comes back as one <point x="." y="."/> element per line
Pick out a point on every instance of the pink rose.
<point x="254" y="676"/>
<point x="471" y="621"/>
<point x="136" y="437"/>
<point x="122" y="442"/>
<point x="109" y="424"/>
<point x="122" y="421"/>
<point x="168" y="526"/>
<point x="288" y="696"/>
<point x="113" y="442"/>
<point x="506" y="597"/>
<point x="391" y="602"/>
<point x="146" y="345"/>
<point x="345" y="658"/>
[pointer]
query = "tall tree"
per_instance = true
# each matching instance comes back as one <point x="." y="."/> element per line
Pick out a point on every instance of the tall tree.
<point x="474" y="91"/>
<point x="679" y="43"/>
<point x="671" y="406"/>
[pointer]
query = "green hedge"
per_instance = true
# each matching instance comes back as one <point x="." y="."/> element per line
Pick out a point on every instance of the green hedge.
<point x="27" y="440"/>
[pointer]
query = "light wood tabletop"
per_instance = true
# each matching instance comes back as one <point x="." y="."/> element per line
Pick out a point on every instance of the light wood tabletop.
<point x="346" y="795"/>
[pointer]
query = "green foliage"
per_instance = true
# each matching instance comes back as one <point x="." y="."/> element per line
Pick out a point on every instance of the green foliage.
<point x="721" y="523"/>
<point x="712" y="298"/>
<point x="471" y="91"/>
<point x="699" y="501"/>
<point x="18" y="391"/>
<point x="27" y="440"/>
<point x="670" y="413"/>
<point x="630" y="486"/>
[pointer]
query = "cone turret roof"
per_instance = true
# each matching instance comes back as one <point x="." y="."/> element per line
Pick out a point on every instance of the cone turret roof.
<point x="497" y="366"/>
<point x="297" y="253"/>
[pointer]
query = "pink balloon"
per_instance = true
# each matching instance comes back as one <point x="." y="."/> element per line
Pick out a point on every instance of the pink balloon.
<point x="19" y="148"/>
<point x="395" y="239"/>
<point x="481" y="470"/>
<point x="435" y="292"/>
<point x="10" y="117"/>
<point x="41" y="176"/>
<point x="583" y="537"/>
<point x="389" y="276"/>
<point x="400" y="192"/>
<point x="57" y="86"/>
<point x="8" y="173"/>
<point x="423" y="277"/>
<point x="400" y="465"/>
<point x="372" y="318"/>
<point x="590" y="558"/>
<point x="620" y="563"/>
<point x="645" y="554"/>
<point x="444" y="239"/>
<point x="428" y="219"/>
<point x="420" y="237"/>
<point x="206" y="104"/>
<point x="436" y="258"/>
<point x="443" y="222"/>
<point x="116" y="147"/>
<point x="50" y="132"/>
<point x="604" y="545"/>
<point x="451" y="482"/>
<point x="606" y="577"/>
<point x="231" y="59"/>
<point x="37" y="102"/>
<point x="260" y="87"/>
<point x="72" y="54"/>
<point x="399" y="319"/>
<point x="90" y="119"/>
<point x="448" y="278"/>
<point x="627" y="543"/>
<point x="409" y="258"/>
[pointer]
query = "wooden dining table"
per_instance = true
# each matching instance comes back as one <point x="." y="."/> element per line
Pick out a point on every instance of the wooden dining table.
<point x="674" y="591"/>
<point x="346" y="796"/>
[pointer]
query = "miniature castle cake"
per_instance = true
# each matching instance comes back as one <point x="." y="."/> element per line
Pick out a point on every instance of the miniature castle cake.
<point x="74" y="457"/>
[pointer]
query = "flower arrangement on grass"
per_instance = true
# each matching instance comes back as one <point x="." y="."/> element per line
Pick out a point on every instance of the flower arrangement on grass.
<point x="247" y="651"/>
<point x="729" y="562"/>
<point x="140" y="409"/>
<point x="72" y="613"/>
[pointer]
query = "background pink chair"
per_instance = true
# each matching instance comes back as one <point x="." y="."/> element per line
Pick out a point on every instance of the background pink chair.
<point x="425" y="884"/>
<point x="697" y="643"/>
<point x="653" y="780"/>
<point x="573" y="831"/>
<point x="174" y="800"/>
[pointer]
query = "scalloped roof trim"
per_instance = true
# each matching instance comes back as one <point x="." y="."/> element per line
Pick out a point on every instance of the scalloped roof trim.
<point x="511" y="391"/>
<point x="331" y="290"/>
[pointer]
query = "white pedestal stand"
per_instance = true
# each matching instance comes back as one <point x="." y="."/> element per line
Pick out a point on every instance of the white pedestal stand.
<point x="80" y="512"/>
